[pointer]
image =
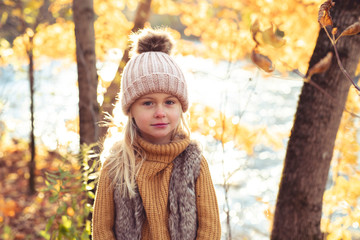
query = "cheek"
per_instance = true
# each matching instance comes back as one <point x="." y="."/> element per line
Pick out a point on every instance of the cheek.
<point x="177" y="115"/>
<point x="139" y="119"/>
<point x="136" y="117"/>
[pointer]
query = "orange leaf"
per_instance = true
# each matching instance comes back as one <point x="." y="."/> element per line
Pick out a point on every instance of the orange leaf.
<point x="324" y="17"/>
<point x="334" y="31"/>
<point x="322" y="66"/>
<point x="262" y="61"/>
<point x="20" y="236"/>
<point x="9" y="208"/>
<point x="353" y="29"/>
<point x="70" y="211"/>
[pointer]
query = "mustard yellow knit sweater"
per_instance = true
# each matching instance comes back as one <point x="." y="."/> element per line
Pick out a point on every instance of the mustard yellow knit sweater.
<point x="153" y="183"/>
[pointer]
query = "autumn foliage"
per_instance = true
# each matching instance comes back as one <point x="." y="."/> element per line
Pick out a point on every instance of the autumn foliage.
<point x="278" y="36"/>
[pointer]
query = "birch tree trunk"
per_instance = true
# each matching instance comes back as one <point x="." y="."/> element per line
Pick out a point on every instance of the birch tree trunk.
<point x="310" y="148"/>
<point x="83" y="13"/>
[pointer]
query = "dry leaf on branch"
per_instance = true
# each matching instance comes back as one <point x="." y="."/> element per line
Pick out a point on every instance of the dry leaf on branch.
<point x="353" y="29"/>
<point x="255" y="28"/>
<point x="324" y="17"/>
<point x="334" y="31"/>
<point x="322" y="66"/>
<point x="262" y="61"/>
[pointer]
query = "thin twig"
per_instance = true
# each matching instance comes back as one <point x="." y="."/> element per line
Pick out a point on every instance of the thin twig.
<point x="322" y="90"/>
<point x="343" y="70"/>
<point x="327" y="33"/>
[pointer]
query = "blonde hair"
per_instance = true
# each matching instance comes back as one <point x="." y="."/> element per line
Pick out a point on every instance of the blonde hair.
<point x="125" y="157"/>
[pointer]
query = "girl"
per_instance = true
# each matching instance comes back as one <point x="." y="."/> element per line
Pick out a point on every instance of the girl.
<point x="155" y="183"/>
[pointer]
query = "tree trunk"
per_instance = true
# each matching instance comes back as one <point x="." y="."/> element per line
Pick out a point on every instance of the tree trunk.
<point x="83" y="12"/>
<point x="310" y="147"/>
<point x="141" y="17"/>
<point x="32" y="164"/>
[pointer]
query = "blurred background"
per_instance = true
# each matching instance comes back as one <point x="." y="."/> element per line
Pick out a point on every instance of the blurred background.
<point x="244" y="62"/>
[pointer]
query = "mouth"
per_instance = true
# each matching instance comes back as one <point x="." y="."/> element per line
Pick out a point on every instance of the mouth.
<point x="159" y="124"/>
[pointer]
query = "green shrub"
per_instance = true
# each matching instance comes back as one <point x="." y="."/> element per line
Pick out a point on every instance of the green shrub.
<point x="71" y="190"/>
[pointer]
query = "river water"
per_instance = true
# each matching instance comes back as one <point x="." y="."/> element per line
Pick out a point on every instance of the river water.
<point x="256" y="100"/>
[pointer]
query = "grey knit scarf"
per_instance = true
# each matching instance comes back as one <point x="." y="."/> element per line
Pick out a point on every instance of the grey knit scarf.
<point x="130" y="213"/>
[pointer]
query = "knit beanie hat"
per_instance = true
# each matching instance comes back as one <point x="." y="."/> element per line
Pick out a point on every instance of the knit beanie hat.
<point x="152" y="70"/>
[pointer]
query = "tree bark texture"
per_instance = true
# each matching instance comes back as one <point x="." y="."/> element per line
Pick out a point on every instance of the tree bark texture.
<point x="310" y="147"/>
<point x="83" y="12"/>
<point x="32" y="164"/>
<point x="141" y="17"/>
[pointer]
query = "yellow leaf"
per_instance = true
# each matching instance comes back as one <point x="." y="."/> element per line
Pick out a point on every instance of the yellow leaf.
<point x="29" y="32"/>
<point x="342" y="186"/>
<point x="72" y="125"/>
<point x="9" y="3"/>
<point x="4" y="43"/>
<point x="269" y="37"/>
<point x="354" y="186"/>
<point x="346" y="235"/>
<point x="58" y="185"/>
<point x="58" y="5"/>
<point x="336" y="235"/>
<point x="4" y="17"/>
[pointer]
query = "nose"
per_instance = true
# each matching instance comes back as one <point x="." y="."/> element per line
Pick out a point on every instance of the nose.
<point x="159" y="112"/>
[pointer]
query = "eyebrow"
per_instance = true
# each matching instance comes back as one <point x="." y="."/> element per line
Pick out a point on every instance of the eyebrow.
<point x="152" y="98"/>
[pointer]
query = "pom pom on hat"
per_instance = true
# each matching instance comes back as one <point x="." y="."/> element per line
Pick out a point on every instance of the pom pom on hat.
<point x="148" y="40"/>
<point x="152" y="70"/>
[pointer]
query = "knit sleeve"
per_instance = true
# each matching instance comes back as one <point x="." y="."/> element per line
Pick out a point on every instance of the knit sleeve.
<point x="207" y="206"/>
<point x="103" y="214"/>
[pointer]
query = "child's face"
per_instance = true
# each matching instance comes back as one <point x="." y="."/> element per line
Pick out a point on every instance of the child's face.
<point x="157" y="115"/>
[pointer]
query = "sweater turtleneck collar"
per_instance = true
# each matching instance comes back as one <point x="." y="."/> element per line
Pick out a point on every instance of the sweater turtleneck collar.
<point x="164" y="153"/>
